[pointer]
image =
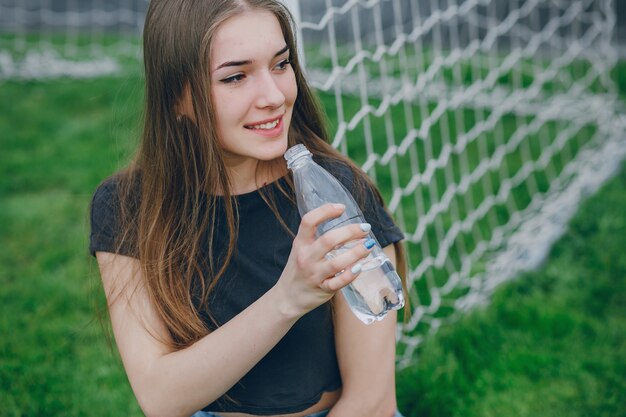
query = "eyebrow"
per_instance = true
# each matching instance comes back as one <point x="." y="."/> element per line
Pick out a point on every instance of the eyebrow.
<point x="248" y="61"/>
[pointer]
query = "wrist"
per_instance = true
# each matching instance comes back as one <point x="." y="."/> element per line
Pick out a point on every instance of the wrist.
<point x="282" y="304"/>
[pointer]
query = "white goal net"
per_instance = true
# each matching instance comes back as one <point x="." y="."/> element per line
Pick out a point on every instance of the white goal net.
<point x="483" y="122"/>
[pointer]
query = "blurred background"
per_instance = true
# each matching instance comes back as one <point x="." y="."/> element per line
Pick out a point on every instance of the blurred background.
<point x="495" y="131"/>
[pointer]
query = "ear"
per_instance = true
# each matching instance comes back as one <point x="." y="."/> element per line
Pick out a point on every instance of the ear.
<point x="184" y="105"/>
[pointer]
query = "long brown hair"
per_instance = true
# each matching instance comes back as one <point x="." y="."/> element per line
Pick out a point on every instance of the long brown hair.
<point x="165" y="212"/>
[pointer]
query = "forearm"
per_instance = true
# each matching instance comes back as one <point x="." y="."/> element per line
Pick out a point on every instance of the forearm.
<point x="182" y="382"/>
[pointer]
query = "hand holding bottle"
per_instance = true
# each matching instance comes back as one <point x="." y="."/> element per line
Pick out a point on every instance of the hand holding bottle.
<point x="310" y="278"/>
<point x="379" y="288"/>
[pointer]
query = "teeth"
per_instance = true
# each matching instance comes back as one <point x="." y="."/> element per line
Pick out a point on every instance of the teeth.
<point x="266" y="126"/>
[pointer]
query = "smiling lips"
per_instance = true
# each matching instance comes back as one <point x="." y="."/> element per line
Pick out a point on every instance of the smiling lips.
<point x="272" y="127"/>
<point x="267" y="125"/>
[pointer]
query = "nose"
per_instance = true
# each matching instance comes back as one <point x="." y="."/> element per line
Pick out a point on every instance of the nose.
<point x="269" y="93"/>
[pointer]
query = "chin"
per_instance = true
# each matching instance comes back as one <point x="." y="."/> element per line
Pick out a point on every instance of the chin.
<point x="272" y="151"/>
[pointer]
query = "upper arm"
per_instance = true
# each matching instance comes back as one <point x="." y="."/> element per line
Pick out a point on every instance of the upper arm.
<point x="140" y="335"/>
<point x="366" y="354"/>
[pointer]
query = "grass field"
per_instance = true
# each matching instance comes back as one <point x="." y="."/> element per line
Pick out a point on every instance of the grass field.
<point x="552" y="343"/>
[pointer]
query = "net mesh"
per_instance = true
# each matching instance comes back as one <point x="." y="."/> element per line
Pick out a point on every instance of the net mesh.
<point x="484" y="122"/>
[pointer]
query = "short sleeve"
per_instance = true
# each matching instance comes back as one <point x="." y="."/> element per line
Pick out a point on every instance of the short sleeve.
<point x="105" y="220"/>
<point x="383" y="226"/>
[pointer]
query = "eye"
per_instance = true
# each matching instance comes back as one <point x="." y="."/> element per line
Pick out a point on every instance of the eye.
<point x="282" y="65"/>
<point x="233" y="79"/>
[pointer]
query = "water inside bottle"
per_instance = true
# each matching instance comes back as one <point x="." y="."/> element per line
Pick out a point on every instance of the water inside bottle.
<point x="371" y="295"/>
<point x="369" y="263"/>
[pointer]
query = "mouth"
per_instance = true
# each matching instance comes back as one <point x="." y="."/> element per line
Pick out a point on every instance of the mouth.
<point x="265" y="125"/>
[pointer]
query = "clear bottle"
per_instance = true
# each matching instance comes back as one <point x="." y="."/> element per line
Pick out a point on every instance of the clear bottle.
<point x="378" y="288"/>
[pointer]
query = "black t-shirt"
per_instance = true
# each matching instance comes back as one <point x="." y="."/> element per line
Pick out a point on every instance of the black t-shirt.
<point x="303" y="364"/>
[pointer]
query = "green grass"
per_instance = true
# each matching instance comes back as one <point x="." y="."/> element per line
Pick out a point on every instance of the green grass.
<point x="551" y="343"/>
<point x="59" y="139"/>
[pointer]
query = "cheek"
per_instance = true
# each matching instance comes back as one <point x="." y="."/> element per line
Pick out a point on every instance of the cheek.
<point x="229" y="107"/>
<point x="290" y="88"/>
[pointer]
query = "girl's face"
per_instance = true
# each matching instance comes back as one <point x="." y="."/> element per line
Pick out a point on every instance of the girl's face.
<point x="253" y="87"/>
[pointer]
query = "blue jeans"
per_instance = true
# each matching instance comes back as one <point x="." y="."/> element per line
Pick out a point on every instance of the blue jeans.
<point x="324" y="413"/>
<point x="319" y="414"/>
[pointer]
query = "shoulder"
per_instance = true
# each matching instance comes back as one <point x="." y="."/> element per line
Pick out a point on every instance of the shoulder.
<point x="367" y="197"/>
<point x="110" y="202"/>
<point x="340" y="170"/>
<point x="354" y="179"/>
<point x="106" y="198"/>
<point x="334" y="166"/>
<point x="110" y="192"/>
<point x="107" y="191"/>
<point x="113" y="190"/>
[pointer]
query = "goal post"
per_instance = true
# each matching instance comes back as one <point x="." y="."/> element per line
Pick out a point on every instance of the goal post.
<point x="42" y="39"/>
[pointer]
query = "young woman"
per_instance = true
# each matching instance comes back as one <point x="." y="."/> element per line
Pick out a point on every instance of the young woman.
<point x="219" y="294"/>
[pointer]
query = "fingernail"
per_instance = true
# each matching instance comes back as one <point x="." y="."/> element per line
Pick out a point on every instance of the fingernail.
<point x="356" y="268"/>
<point x="339" y="206"/>
<point x="366" y="227"/>
<point x="369" y="243"/>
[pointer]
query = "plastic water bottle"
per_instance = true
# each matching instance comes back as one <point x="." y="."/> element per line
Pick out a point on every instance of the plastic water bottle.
<point x="378" y="288"/>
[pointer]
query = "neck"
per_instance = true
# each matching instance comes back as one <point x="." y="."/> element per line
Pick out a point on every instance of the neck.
<point x="250" y="175"/>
